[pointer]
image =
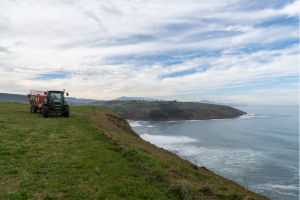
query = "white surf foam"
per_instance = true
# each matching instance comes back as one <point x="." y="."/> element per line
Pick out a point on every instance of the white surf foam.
<point x="137" y="123"/>
<point x="248" y="116"/>
<point x="150" y="126"/>
<point x="219" y="160"/>
<point x="162" y="140"/>
<point x="225" y="161"/>
<point x="280" y="189"/>
<point x="285" y="187"/>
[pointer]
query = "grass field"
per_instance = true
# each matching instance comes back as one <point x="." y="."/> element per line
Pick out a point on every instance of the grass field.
<point x="94" y="154"/>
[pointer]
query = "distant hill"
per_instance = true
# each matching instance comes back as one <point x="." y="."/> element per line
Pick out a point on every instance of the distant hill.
<point x="81" y="100"/>
<point x="20" y="98"/>
<point x="5" y="97"/>
<point x="170" y="110"/>
<point x="137" y="98"/>
<point x="221" y="103"/>
<point x="124" y="98"/>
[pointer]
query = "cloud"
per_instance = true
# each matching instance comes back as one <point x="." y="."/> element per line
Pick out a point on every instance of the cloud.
<point x="277" y="96"/>
<point x="92" y="15"/>
<point x="108" y="49"/>
<point x="5" y="50"/>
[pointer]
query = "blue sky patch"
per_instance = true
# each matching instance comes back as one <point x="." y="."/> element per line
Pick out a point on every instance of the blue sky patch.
<point x="285" y="21"/>
<point x="50" y="76"/>
<point x="181" y="73"/>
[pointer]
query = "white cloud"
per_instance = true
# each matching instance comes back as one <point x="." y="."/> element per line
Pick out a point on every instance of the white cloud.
<point x="90" y="42"/>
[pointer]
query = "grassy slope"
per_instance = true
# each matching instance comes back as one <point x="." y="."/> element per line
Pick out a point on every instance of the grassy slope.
<point x="87" y="156"/>
<point x="170" y="110"/>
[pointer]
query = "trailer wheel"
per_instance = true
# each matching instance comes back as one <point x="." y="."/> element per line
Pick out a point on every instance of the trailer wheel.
<point x="67" y="111"/>
<point x="35" y="109"/>
<point x="45" y="111"/>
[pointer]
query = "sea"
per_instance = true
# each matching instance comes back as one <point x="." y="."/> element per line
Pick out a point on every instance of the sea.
<point x="259" y="150"/>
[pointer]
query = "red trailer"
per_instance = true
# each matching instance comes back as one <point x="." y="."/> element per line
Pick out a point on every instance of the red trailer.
<point x="36" y="99"/>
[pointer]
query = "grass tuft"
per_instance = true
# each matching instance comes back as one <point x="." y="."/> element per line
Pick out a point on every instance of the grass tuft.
<point x="207" y="191"/>
<point x="49" y="197"/>
<point x="183" y="190"/>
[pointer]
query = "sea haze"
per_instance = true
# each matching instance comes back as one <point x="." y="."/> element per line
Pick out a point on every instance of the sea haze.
<point x="261" y="147"/>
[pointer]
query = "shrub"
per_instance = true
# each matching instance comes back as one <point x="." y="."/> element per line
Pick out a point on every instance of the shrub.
<point x="183" y="190"/>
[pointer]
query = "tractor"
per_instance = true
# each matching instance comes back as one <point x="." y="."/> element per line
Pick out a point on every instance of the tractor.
<point x="52" y="101"/>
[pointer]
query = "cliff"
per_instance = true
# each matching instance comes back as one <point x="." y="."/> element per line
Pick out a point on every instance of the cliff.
<point x="169" y="111"/>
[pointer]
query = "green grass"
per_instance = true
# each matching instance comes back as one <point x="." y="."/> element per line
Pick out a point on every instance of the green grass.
<point x="86" y="156"/>
<point x="66" y="158"/>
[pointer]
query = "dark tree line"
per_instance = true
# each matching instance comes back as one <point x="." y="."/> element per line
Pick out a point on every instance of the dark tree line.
<point x="166" y="110"/>
<point x="157" y="114"/>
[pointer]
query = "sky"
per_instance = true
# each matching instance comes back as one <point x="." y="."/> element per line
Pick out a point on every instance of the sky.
<point x="233" y="51"/>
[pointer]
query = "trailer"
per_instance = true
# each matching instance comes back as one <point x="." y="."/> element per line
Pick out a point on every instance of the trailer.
<point x="52" y="101"/>
<point x="36" y="99"/>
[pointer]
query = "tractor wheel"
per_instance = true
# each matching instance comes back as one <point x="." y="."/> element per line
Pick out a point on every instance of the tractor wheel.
<point x="31" y="109"/>
<point x="45" y="111"/>
<point x="67" y="111"/>
<point x="35" y="109"/>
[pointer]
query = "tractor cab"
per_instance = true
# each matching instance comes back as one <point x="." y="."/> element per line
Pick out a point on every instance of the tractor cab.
<point x="55" y="103"/>
<point x="55" y="97"/>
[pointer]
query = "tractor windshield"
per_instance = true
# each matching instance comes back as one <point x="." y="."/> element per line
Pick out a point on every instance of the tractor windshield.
<point x="56" y="95"/>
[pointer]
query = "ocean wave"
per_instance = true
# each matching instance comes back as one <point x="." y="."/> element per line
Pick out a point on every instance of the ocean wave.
<point x="150" y="126"/>
<point x="189" y="148"/>
<point x="248" y="116"/>
<point x="137" y="123"/>
<point x="161" y="140"/>
<point x="286" y="187"/>
<point x="230" y="159"/>
<point x="286" y="190"/>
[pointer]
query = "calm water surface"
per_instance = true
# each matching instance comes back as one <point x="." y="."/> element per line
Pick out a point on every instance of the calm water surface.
<point x="261" y="147"/>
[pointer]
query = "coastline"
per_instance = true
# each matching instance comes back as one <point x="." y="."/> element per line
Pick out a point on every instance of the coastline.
<point x="186" y="119"/>
<point x="234" y="149"/>
<point x="105" y="141"/>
